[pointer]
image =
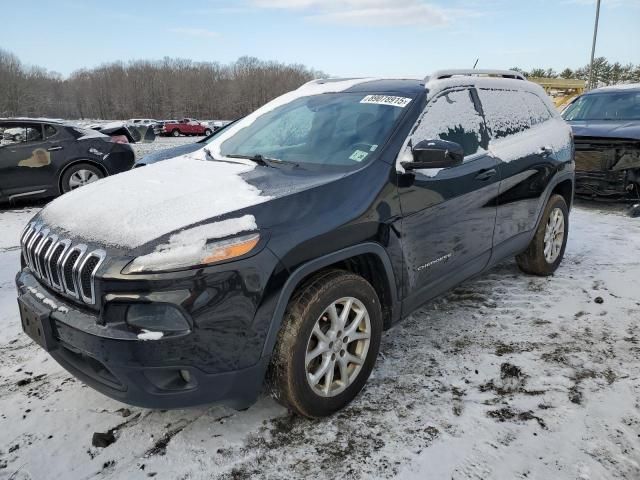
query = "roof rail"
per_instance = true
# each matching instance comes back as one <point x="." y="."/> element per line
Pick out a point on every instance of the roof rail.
<point x="440" y="74"/>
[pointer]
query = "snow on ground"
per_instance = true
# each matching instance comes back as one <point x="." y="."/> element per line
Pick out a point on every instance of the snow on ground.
<point x="508" y="376"/>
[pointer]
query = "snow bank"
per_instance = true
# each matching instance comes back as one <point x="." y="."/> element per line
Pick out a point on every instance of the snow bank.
<point x="133" y="208"/>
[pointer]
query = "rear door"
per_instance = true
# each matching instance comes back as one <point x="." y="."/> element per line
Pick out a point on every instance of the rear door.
<point x="448" y="214"/>
<point x="521" y="127"/>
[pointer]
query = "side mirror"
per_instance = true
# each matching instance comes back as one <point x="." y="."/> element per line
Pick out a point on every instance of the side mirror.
<point x="435" y="154"/>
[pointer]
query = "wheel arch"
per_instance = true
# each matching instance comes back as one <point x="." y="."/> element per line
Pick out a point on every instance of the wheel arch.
<point x="64" y="169"/>
<point x="369" y="260"/>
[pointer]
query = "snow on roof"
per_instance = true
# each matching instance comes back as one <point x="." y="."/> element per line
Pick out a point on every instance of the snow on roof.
<point x="135" y="207"/>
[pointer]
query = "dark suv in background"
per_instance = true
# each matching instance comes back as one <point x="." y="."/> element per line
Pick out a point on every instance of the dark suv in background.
<point x="44" y="158"/>
<point x="606" y="125"/>
<point x="285" y="246"/>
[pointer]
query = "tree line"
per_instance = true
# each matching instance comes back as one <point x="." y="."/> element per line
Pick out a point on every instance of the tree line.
<point x="161" y="89"/>
<point x="175" y="88"/>
<point x="604" y="73"/>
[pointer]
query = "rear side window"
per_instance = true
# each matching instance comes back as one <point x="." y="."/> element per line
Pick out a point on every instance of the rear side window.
<point x="509" y="112"/>
<point x="538" y="111"/>
<point x="452" y="116"/>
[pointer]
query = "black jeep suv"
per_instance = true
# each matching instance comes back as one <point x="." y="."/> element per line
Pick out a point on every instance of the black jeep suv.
<point x="283" y="248"/>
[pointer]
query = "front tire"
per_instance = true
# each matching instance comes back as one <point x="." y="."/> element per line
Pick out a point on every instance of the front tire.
<point x="207" y="132"/>
<point x="327" y="344"/>
<point x="175" y="132"/>
<point x="546" y="250"/>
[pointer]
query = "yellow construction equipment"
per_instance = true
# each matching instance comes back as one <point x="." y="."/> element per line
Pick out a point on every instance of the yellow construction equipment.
<point x="561" y="90"/>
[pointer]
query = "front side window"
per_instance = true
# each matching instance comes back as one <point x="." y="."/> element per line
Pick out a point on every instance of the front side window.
<point x="605" y="106"/>
<point x="21" y="133"/>
<point x="330" y="129"/>
<point x="452" y="116"/>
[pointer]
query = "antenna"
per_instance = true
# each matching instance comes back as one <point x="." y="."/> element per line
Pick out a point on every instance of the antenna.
<point x="476" y="64"/>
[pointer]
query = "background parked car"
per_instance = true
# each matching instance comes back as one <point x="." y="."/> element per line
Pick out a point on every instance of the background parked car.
<point x="606" y="127"/>
<point x="125" y="132"/>
<point x="41" y="158"/>
<point x="186" y="126"/>
<point x="167" y="153"/>
<point x="147" y="122"/>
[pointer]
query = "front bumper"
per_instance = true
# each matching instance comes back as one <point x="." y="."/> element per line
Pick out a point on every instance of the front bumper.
<point x="153" y="374"/>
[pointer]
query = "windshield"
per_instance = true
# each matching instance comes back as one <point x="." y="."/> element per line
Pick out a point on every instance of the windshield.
<point x="605" y="106"/>
<point x="338" y="129"/>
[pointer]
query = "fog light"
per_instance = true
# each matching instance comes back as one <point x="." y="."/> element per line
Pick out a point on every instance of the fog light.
<point x="157" y="317"/>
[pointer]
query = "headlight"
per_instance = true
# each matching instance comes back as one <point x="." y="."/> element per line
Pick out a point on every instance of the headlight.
<point x="186" y="256"/>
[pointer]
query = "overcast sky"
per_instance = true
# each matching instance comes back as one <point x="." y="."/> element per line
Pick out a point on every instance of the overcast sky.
<point x="339" y="37"/>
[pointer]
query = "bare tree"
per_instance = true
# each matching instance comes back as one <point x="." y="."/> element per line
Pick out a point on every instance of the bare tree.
<point x="167" y="88"/>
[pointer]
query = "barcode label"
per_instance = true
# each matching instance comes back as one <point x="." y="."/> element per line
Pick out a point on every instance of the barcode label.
<point x="386" y="100"/>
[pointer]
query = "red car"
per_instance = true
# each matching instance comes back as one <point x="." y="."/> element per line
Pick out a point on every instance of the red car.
<point x="186" y="126"/>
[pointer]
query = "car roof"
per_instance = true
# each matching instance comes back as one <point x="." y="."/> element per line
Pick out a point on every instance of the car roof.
<point x="33" y="120"/>
<point x="626" y="87"/>
<point x="384" y="85"/>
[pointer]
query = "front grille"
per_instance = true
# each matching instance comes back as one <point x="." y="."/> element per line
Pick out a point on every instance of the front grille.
<point x="66" y="267"/>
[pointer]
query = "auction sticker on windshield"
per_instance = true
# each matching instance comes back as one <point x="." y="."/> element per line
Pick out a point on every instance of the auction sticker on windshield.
<point x="386" y="100"/>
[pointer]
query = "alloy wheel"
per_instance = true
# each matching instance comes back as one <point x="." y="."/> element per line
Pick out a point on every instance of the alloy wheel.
<point x="554" y="235"/>
<point x="338" y="346"/>
<point x="82" y="177"/>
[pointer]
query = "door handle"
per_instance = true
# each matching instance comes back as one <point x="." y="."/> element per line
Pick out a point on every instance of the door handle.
<point x="53" y="149"/>
<point x="486" y="174"/>
<point x="545" y="151"/>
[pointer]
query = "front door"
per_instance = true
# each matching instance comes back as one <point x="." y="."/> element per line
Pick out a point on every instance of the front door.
<point x="448" y="214"/>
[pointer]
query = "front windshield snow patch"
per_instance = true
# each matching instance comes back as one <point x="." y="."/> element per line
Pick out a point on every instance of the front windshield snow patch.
<point x="135" y="207"/>
<point x="305" y="90"/>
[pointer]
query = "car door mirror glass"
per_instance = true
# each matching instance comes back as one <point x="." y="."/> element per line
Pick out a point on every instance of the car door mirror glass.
<point x="434" y="154"/>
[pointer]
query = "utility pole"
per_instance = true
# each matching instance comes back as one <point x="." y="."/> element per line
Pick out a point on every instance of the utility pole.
<point x="593" y="46"/>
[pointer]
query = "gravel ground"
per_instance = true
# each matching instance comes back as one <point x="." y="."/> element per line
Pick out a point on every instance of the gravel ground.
<point x="508" y="376"/>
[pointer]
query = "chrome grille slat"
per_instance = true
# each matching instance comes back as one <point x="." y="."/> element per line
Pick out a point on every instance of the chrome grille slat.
<point x="30" y="244"/>
<point x="47" y="257"/>
<point x="38" y="246"/>
<point x="87" y="268"/>
<point x="70" y="269"/>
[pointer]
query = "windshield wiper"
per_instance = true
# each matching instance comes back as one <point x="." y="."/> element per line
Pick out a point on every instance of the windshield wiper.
<point x="262" y="160"/>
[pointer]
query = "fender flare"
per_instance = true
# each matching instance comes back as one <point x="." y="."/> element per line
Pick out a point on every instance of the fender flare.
<point x="558" y="179"/>
<point x="312" y="266"/>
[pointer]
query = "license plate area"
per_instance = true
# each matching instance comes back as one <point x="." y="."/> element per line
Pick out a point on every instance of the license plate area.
<point x="36" y="322"/>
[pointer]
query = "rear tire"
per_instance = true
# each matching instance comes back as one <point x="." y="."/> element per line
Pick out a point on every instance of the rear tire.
<point x="207" y="132"/>
<point x="546" y="250"/>
<point x="333" y="324"/>
<point x="78" y="175"/>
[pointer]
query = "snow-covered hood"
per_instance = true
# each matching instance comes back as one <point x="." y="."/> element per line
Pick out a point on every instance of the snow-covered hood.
<point x="606" y="129"/>
<point x="140" y="206"/>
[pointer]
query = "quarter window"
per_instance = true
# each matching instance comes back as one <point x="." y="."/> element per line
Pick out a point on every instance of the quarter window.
<point x="452" y="116"/>
<point x="49" y="131"/>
